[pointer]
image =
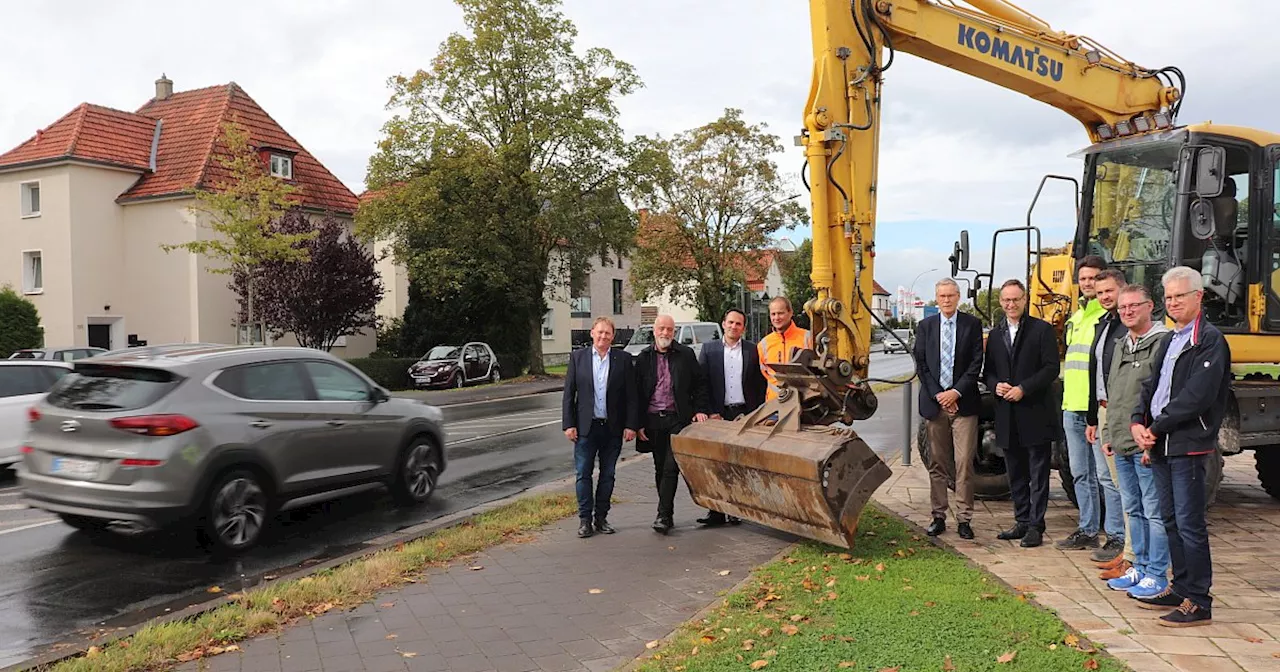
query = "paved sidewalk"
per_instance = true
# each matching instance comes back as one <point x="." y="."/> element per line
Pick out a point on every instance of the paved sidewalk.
<point x="531" y="607"/>
<point x="1244" y="531"/>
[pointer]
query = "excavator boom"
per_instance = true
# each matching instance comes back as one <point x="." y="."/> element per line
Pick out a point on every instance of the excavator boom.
<point x="793" y="464"/>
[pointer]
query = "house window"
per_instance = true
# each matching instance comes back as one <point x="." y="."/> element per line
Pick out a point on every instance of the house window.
<point x="32" y="272"/>
<point x="548" y="326"/>
<point x="579" y="295"/>
<point x="281" y="166"/>
<point x="617" y="297"/>
<point x="30" y="199"/>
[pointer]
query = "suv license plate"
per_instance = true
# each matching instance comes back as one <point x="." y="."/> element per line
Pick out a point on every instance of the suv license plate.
<point x="73" y="468"/>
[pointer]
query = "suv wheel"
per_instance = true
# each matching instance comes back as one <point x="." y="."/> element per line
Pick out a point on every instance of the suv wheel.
<point x="85" y="523"/>
<point x="236" y="511"/>
<point x="416" y="476"/>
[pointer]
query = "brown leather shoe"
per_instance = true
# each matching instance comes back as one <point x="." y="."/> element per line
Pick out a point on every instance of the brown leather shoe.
<point x="1115" y="572"/>
<point x="1112" y="563"/>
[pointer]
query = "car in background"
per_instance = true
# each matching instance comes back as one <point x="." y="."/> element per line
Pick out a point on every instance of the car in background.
<point x="456" y="366"/>
<point x="68" y="354"/>
<point x="22" y="384"/>
<point x="904" y="341"/>
<point x="692" y="334"/>
<point x="220" y="438"/>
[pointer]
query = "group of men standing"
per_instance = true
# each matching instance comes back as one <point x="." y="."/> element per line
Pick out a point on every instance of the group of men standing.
<point x="1165" y="392"/>
<point x="611" y="397"/>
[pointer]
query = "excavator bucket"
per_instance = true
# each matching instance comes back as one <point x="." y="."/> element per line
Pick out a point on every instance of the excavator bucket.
<point x="810" y="481"/>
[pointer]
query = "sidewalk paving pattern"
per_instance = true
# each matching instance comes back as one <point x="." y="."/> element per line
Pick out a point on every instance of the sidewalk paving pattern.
<point x="530" y="608"/>
<point x="1244" y="535"/>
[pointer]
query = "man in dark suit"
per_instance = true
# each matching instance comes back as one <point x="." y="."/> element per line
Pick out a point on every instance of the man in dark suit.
<point x="1021" y="365"/>
<point x="735" y="383"/>
<point x="598" y="414"/>
<point x="671" y="395"/>
<point x="948" y="354"/>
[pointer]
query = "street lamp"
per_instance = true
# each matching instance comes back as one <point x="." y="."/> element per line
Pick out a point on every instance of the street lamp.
<point x="912" y="290"/>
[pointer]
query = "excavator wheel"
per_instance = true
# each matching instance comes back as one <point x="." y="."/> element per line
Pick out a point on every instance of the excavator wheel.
<point x="1267" y="462"/>
<point x="990" y="480"/>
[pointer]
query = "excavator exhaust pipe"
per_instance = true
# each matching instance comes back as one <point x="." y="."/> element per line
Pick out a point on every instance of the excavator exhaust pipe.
<point x="766" y="467"/>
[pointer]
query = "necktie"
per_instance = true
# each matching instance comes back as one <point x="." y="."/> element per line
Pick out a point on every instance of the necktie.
<point x="948" y="356"/>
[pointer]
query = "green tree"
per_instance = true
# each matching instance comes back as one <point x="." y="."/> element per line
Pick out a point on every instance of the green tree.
<point x="796" y="284"/>
<point x="716" y="199"/>
<point x="546" y="112"/>
<point x="989" y="302"/>
<point x="19" y="323"/>
<point x="239" y="211"/>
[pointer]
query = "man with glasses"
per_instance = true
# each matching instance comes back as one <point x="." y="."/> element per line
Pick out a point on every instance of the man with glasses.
<point x="1176" y="425"/>
<point x="1133" y="363"/>
<point x="1020" y="365"/>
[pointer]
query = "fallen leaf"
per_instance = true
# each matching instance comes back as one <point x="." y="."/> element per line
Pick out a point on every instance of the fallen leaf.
<point x="847" y="639"/>
<point x="1071" y="640"/>
<point x="908" y="587"/>
<point x="724" y="572"/>
<point x="215" y="589"/>
<point x="595" y="591"/>
<point x="387" y="605"/>
<point x="93" y="652"/>
<point x="946" y="664"/>
<point x="270" y="577"/>
<point x="409" y="654"/>
<point x="759" y="664"/>
<point x="707" y="639"/>
<point x="476" y="568"/>
<point x="832" y="596"/>
<point x="987" y="596"/>
<point x="879" y="566"/>
<point x="889" y="669"/>
<point x="748" y="644"/>
<point x="770" y="653"/>
<point x="796" y="618"/>
<point x="231" y="647"/>
<point x="864" y="577"/>
<point x="391" y="636"/>
<point x="847" y="664"/>
<point x="671" y="548"/>
<point x="765" y="632"/>
<point x="1253" y="640"/>
<point x="1091" y="664"/>
<point x="792" y="561"/>
<point x="694" y="652"/>
<point x="1007" y="657"/>
<point x="930" y="603"/>
<point x="651" y="645"/>
<point x="846" y="556"/>
<point x="914" y="612"/>
<point x="831" y="583"/>
<point x="790" y="630"/>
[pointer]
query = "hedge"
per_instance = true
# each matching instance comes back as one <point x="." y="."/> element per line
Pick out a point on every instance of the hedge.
<point x="392" y="374"/>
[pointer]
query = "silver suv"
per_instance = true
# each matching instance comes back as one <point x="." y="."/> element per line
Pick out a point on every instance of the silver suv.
<point x="220" y="437"/>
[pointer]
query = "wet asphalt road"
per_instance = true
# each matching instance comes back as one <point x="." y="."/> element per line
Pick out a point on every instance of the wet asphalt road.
<point x="56" y="583"/>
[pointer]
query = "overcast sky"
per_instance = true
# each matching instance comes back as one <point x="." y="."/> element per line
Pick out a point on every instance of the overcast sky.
<point x="957" y="152"/>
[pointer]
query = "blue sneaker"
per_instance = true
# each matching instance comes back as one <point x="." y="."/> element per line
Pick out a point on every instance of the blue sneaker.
<point x="1149" y="586"/>
<point x="1130" y="579"/>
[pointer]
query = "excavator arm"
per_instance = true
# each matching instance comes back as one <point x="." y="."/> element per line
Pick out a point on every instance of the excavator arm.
<point x="793" y="464"/>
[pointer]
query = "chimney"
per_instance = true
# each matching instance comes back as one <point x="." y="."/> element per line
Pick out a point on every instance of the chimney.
<point x="164" y="88"/>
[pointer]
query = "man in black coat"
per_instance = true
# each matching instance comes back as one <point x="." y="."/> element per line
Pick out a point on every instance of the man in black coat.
<point x="948" y="354"/>
<point x="672" y="394"/>
<point x="1021" y="365"/>
<point x="597" y="415"/>
<point x="735" y="383"/>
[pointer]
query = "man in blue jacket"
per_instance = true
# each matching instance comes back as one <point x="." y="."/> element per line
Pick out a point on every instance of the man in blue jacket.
<point x="1176" y="425"/>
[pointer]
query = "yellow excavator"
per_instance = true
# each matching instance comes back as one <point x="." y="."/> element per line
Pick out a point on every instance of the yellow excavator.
<point x="1154" y="194"/>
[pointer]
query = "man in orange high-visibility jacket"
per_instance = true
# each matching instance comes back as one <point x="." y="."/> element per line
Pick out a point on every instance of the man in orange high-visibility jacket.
<point x="778" y="346"/>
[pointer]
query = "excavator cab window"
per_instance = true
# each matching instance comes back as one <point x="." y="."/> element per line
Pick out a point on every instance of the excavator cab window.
<point x="1271" y="244"/>
<point x="1216" y="234"/>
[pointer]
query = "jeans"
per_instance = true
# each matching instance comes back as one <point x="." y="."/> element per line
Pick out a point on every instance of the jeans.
<point x="1181" y="484"/>
<point x="597" y="444"/>
<point x="1084" y="470"/>
<point x="1146" y="525"/>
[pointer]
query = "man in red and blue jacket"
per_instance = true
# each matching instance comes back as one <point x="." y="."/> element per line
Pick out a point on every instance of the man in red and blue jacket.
<point x="1176" y="424"/>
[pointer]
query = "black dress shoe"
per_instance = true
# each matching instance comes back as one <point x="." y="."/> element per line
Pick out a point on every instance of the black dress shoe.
<point x="584" y="529"/>
<point x="938" y="526"/>
<point x="662" y="525"/>
<point x="1016" y="532"/>
<point x="713" y="519"/>
<point x="603" y="526"/>
<point x="964" y="530"/>
<point x="733" y="520"/>
<point x="1031" y="539"/>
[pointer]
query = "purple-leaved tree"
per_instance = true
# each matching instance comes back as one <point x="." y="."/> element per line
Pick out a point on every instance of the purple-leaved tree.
<point x="332" y="294"/>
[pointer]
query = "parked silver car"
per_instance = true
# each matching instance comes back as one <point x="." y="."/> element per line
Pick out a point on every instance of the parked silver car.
<point x="221" y="437"/>
<point x="68" y="354"/>
<point x="22" y="383"/>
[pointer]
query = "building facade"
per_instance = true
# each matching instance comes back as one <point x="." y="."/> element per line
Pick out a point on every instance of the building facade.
<point x="87" y="203"/>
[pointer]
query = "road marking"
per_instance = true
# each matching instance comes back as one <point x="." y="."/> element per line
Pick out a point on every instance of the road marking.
<point x="509" y="431"/>
<point x="506" y="417"/>
<point x="11" y="492"/>
<point x="12" y="507"/>
<point x="30" y="527"/>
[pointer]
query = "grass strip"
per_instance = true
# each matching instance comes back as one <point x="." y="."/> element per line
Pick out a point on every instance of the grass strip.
<point x="270" y="608"/>
<point x="896" y="603"/>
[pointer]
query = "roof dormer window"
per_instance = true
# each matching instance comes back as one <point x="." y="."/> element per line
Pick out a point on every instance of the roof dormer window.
<point x="281" y="166"/>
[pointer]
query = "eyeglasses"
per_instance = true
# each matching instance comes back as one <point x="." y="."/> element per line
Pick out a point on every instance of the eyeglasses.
<point x="1177" y="298"/>
<point x="1130" y="307"/>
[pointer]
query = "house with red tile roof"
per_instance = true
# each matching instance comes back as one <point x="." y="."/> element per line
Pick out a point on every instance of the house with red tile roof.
<point x="87" y="202"/>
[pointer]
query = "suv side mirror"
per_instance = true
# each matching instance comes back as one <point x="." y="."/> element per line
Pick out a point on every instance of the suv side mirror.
<point x="379" y="396"/>
<point x="1210" y="171"/>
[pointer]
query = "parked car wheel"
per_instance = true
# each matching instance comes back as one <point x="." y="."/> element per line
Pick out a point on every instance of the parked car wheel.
<point x="459" y="381"/>
<point x="419" y="470"/>
<point x="85" y="523"/>
<point x="494" y="376"/>
<point x="236" y="511"/>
